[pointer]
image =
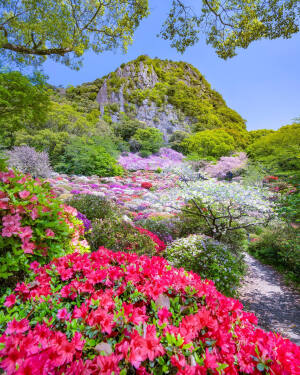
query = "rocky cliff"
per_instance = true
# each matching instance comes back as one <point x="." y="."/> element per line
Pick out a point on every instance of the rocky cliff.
<point x="171" y="96"/>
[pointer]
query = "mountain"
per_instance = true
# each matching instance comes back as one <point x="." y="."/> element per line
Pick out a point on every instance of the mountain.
<point x="171" y="96"/>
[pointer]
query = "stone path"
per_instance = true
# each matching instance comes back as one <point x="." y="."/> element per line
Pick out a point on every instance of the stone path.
<point x="276" y="306"/>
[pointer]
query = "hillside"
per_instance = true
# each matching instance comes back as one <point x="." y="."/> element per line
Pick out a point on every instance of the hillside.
<point x="171" y="96"/>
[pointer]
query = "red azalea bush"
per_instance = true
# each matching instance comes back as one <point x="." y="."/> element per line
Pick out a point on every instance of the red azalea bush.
<point x="146" y="185"/>
<point x="34" y="225"/>
<point x="270" y="178"/>
<point x="118" y="313"/>
<point x="159" y="244"/>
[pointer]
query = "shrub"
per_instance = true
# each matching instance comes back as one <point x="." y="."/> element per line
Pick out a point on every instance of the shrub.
<point x="127" y="128"/>
<point x="93" y="206"/>
<point x="232" y="164"/>
<point x="159" y="244"/>
<point x="167" y="229"/>
<point x="176" y="139"/>
<point x="279" y="246"/>
<point x="210" y="259"/>
<point x="53" y="143"/>
<point x="84" y="157"/>
<point x="29" y="161"/>
<point x="149" y="139"/>
<point x="119" y="313"/>
<point x="209" y="143"/>
<point x="288" y="207"/>
<point x="34" y="225"/>
<point x="224" y="207"/>
<point x="117" y="234"/>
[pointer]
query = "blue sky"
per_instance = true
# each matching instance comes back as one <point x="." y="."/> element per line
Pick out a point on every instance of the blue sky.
<point x="262" y="83"/>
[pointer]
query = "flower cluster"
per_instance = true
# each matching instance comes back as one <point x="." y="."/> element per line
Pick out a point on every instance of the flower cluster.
<point x="33" y="223"/>
<point x="159" y="244"/>
<point x="126" y="191"/>
<point x="86" y="222"/>
<point x="166" y="158"/>
<point x="106" y="312"/>
<point x="227" y="164"/>
<point x="270" y="178"/>
<point x="146" y="185"/>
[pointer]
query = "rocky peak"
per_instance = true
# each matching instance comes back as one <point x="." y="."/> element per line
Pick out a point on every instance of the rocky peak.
<point x="170" y="96"/>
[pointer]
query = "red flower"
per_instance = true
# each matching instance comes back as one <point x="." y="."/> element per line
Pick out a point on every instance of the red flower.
<point x="146" y="185"/>
<point x="17" y="327"/>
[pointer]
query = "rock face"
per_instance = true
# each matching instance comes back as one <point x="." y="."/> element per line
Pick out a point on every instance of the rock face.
<point x="170" y="96"/>
<point x="167" y="119"/>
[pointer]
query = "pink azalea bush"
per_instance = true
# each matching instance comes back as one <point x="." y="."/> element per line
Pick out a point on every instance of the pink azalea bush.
<point x="227" y="164"/>
<point x="118" y="313"/>
<point x="34" y="225"/>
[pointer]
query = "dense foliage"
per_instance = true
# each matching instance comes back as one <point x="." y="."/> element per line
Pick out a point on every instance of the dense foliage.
<point x="210" y="143"/>
<point x="148" y="141"/>
<point x="35" y="226"/>
<point x="24" y="103"/>
<point x="93" y="206"/>
<point x="279" y="150"/>
<point x="83" y="156"/>
<point x="210" y="259"/>
<point x="32" y="31"/>
<point x="119" y="235"/>
<point x="279" y="245"/>
<point x="120" y="313"/>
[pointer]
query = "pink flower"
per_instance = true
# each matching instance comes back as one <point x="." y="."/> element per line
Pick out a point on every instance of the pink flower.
<point x="34" y="265"/>
<point x="26" y="233"/>
<point x="11" y="225"/>
<point x="164" y="314"/>
<point x="28" y="247"/>
<point x="10" y="300"/>
<point x="63" y="314"/>
<point x="49" y="232"/>
<point x="24" y="194"/>
<point x="17" y="327"/>
<point x="34" y="214"/>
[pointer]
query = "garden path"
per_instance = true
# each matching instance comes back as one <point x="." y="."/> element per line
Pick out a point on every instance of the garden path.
<point x="276" y="306"/>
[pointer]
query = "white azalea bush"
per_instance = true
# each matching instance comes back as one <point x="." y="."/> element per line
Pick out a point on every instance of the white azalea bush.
<point x="209" y="258"/>
<point x="225" y="207"/>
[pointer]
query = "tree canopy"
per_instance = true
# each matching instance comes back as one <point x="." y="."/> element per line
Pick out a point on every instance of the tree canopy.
<point x="230" y="24"/>
<point x="31" y="30"/>
<point x="24" y="102"/>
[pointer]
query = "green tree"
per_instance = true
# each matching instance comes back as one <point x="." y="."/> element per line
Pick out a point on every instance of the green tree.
<point x="150" y="140"/>
<point x="279" y="150"/>
<point x="82" y="156"/>
<point x="210" y="143"/>
<point x="24" y="103"/>
<point x="230" y="24"/>
<point x="63" y="117"/>
<point x="254" y="135"/>
<point x="31" y="30"/>
<point x="127" y="128"/>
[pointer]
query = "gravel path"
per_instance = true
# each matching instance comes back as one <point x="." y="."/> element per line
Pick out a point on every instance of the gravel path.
<point x="276" y="305"/>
